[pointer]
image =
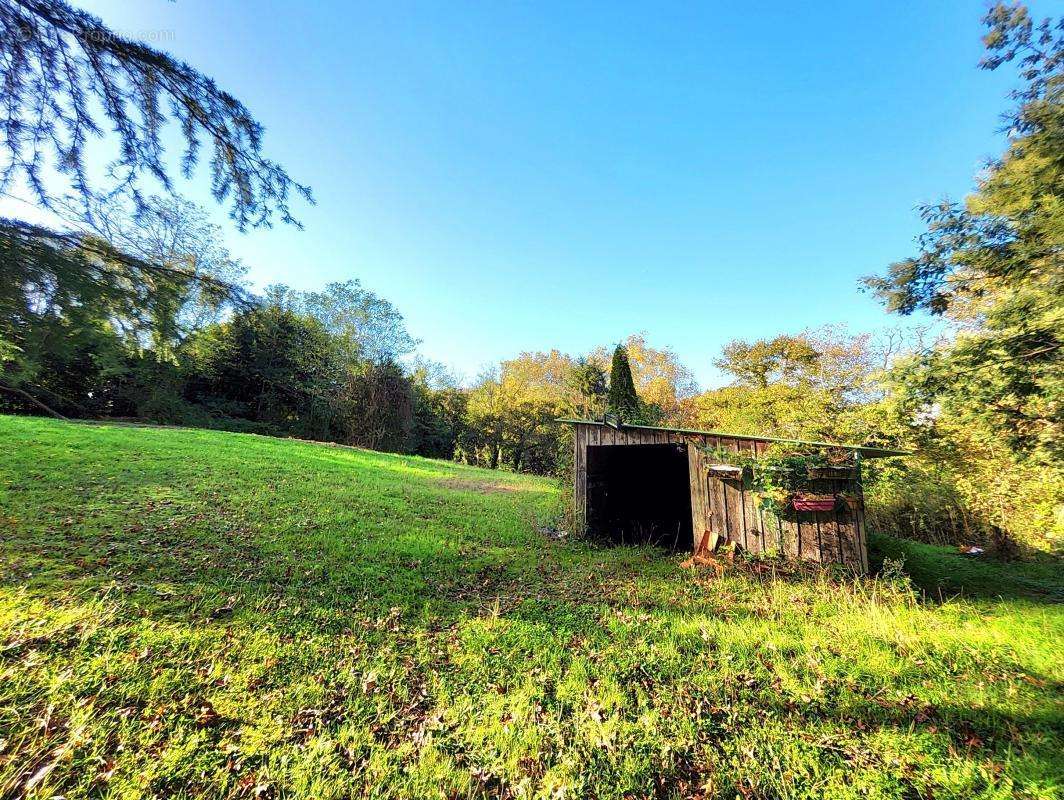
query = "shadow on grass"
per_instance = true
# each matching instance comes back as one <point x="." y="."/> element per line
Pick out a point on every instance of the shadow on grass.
<point x="943" y="572"/>
<point x="979" y="733"/>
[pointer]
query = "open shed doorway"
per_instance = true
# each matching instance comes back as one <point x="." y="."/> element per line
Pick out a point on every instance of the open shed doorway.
<point x="639" y="494"/>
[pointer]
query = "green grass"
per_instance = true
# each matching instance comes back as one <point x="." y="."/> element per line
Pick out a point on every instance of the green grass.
<point x="202" y="614"/>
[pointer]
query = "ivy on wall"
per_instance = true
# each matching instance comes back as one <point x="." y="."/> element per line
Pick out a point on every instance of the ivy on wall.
<point x="787" y="473"/>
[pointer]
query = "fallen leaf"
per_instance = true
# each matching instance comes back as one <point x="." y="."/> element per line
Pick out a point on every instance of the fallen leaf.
<point x="369" y="683"/>
<point x="206" y="716"/>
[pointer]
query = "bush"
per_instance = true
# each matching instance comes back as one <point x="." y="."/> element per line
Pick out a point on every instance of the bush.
<point x="982" y="498"/>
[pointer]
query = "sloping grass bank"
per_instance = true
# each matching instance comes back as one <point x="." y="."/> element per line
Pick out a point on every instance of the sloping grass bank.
<point x="201" y="614"/>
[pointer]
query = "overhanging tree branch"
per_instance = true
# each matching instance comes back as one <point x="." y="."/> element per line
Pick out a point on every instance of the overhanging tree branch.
<point x="57" y="63"/>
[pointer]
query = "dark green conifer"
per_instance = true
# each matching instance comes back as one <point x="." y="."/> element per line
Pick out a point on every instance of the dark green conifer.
<point x="622" y="401"/>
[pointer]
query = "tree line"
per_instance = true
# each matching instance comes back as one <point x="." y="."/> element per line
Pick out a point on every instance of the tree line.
<point x="89" y="330"/>
<point x="136" y="309"/>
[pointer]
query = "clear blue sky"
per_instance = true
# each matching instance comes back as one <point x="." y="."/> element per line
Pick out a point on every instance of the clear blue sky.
<point x="521" y="176"/>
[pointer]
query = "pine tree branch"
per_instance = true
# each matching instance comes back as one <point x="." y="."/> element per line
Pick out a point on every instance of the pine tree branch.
<point x="61" y="69"/>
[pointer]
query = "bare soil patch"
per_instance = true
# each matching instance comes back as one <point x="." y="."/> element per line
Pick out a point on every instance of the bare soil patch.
<point x="483" y="487"/>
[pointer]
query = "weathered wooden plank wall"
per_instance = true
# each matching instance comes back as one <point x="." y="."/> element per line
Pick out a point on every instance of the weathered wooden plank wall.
<point x="699" y="501"/>
<point x="729" y="507"/>
<point x="580" y="442"/>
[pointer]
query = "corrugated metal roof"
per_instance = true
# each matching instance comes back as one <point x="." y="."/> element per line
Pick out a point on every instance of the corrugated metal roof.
<point x="870" y="452"/>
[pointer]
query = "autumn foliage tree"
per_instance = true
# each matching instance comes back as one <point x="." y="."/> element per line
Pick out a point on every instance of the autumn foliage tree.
<point x="512" y="411"/>
<point x="991" y="400"/>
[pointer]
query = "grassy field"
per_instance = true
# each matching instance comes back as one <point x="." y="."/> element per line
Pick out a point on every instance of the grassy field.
<point x="202" y="614"/>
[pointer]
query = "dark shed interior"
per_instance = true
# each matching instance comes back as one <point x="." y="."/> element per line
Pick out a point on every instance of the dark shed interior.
<point x="639" y="494"/>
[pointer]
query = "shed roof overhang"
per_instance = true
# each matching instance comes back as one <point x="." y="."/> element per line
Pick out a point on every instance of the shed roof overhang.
<point x="866" y="452"/>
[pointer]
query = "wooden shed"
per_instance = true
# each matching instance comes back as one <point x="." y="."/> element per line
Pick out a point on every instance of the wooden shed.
<point x="637" y="483"/>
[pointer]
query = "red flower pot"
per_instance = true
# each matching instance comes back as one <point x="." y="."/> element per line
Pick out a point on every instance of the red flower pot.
<point x="814" y="503"/>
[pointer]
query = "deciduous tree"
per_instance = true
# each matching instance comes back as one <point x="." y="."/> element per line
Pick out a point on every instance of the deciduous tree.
<point x="994" y="266"/>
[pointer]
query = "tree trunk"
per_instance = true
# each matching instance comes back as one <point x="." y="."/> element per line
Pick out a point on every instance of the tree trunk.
<point x="32" y="399"/>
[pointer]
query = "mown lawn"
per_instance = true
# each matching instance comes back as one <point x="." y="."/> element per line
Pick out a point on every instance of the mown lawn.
<point x="201" y="614"/>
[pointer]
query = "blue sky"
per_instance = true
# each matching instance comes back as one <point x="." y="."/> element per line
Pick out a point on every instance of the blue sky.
<point x="521" y="176"/>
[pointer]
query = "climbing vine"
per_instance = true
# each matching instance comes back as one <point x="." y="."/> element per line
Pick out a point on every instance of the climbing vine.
<point x="785" y="472"/>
